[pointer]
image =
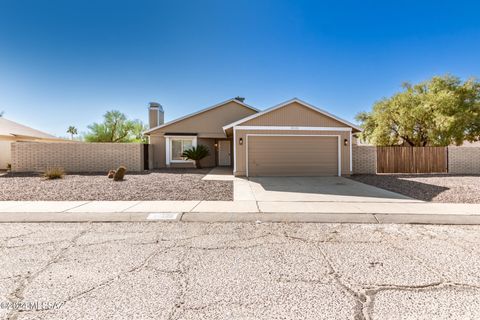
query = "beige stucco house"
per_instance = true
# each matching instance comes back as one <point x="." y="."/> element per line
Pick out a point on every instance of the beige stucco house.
<point x="11" y="131"/>
<point x="293" y="138"/>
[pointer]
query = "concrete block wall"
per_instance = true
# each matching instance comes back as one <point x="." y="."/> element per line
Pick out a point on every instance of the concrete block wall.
<point x="5" y="155"/>
<point x="464" y="160"/>
<point x="76" y="157"/>
<point x="364" y="159"/>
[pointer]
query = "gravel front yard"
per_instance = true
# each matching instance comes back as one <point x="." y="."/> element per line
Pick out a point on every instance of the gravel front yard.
<point x="176" y="184"/>
<point x="437" y="188"/>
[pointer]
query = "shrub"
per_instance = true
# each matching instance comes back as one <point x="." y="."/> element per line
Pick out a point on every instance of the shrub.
<point x="196" y="154"/>
<point x="119" y="174"/>
<point x="54" y="173"/>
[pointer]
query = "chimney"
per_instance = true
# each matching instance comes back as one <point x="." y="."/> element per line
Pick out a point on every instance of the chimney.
<point x="155" y="114"/>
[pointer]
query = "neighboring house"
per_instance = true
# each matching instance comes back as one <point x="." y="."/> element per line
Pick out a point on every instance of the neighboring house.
<point x="293" y="138"/>
<point x="13" y="132"/>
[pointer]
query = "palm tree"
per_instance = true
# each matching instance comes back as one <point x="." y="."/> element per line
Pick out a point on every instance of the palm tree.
<point x="196" y="154"/>
<point x="72" y="130"/>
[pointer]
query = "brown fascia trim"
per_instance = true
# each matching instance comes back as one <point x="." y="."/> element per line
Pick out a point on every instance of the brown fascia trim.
<point x="180" y="134"/>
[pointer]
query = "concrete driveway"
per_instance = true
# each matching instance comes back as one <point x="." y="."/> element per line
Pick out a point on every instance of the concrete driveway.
<point x="239" y="271"/>
<point x="319" y="189"/>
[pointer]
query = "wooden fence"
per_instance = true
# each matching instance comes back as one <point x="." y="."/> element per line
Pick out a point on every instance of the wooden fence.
<point x="412" y="159"/>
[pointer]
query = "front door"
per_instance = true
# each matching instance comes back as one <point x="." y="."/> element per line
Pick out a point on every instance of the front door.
<point x="224" y="154"/>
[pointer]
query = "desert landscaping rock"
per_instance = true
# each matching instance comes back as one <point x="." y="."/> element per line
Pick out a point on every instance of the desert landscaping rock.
<point x="241" y="271"/>
<point x="428" y="187"/>
<point x="178" y="184"/>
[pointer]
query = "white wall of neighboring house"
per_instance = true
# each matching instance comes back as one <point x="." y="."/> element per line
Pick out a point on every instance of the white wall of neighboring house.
<point x="5" y="154"/>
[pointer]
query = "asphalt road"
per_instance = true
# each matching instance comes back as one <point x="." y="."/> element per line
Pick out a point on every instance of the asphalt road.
<point x="239" y="271"/>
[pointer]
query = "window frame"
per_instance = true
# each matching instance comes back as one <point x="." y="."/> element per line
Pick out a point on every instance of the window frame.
<point x="168" y="148"/>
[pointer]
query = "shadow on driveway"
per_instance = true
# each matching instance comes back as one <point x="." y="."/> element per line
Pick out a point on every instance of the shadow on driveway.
<point x="402" y="184"/>
<point x="320" y="189"/>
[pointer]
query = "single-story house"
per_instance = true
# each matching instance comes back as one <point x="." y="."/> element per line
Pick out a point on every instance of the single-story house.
<point x="292" y="138"/>
<point x="11" y="131"/>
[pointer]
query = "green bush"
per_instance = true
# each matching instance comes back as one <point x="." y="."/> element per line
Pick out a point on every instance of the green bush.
<point x="196" y="154"/>
<point x="54" y="173"/>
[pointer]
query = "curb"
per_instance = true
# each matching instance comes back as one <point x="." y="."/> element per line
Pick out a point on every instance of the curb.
<point x="225" y="217"/>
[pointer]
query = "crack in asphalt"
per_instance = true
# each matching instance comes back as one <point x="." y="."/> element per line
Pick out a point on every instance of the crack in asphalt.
<point x="143" y="264"/>
<point x="117" y="276"/>
<point x="182" y="281"/>
<point x="360" y="298"/>
<point x="373" y="291"/>
<point x="363" y="295"/>
<point x="17" y="295"/>
<point x="18" y="236"/>
<point x="35" y="244"/>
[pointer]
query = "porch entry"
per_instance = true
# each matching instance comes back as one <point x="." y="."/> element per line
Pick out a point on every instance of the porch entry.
<point x="224" y="153"/>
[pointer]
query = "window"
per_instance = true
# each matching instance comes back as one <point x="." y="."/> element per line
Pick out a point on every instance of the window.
<point x="176" y="145"/>
<point x="179" y="146"/>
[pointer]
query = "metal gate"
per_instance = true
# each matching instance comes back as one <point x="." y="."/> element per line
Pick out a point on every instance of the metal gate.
<point x="145" y="157"/>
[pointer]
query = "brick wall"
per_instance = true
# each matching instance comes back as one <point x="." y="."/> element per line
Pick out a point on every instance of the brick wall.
<point x="76" y="157"/>
<point x="364" y="159"/>
<point x="464" y="160"/>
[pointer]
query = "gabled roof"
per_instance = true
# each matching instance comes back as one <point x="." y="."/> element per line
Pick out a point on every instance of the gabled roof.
<point x="11" y="129"/>
<point x="283" y="104"/>
<point x="199" y="112"/>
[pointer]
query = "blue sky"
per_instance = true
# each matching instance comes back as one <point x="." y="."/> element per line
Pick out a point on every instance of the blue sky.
<point x="67" y="62"/>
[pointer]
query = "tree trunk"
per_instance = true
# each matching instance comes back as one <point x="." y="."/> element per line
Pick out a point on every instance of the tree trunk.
<point x="197" y="164"/>
<point x="408" y="141"/>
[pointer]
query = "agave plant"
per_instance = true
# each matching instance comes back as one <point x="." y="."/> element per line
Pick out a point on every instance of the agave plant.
<point x="196" y="154"/>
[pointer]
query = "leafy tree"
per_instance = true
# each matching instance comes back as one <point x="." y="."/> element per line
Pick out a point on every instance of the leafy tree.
<point x="1" y="113"/>
<point x="196" y="154"/>
<point x="73" y="131"/>
<point x="116" y="128"/>
<point x="438" y="112"/>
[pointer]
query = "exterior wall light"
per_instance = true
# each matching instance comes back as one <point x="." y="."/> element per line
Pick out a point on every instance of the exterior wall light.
<point x="345" y="142"/>
<point x="240" y="141"/>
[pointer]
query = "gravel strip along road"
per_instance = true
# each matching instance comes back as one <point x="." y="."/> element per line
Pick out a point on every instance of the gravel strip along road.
<point x="240" y="271"/>
<point x="156" y="185"/>
<point x="437" y="188"/>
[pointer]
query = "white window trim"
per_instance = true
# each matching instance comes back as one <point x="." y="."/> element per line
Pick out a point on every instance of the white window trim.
<point x="168" y="148"/>
<point x="339" y="150"/>
<point x="293" y="128"/>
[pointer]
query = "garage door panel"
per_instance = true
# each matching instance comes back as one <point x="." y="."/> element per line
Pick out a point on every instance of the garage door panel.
<point x="292" y="155"/>
<point x="291" y="172"/>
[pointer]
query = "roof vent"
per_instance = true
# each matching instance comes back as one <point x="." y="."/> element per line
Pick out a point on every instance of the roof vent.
<point x="241" y="99"/>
